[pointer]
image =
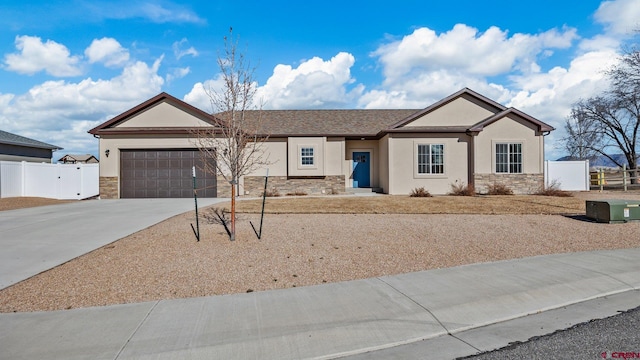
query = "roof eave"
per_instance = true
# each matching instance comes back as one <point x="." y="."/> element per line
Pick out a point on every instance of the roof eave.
<point x="156" y="131"/>
<point x="542" y="126"/>
<point x="443" y="129"/>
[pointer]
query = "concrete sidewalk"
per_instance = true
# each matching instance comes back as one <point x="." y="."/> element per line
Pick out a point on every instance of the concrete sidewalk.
<point x="37" y="239"/>
<point x="442" y="313"/>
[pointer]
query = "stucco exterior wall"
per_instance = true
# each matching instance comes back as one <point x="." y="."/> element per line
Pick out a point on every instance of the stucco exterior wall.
<point x="295" y="168"/>
<point x="509" y="130"/>
<point x="276" y="155"/>
<point x="383" y="163"/>
<point x="163" y="115"/>
<point x="334" y="155"/>
<point x="463" y="111"/>
<point x="403" y="176"/>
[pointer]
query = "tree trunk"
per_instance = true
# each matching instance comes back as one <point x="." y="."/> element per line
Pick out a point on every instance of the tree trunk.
<point x="232" y="236"/>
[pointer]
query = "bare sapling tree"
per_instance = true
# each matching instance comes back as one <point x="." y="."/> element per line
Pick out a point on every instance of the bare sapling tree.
<point x="235" y="146"/>
<point x="615" y="114"/>
<point x="583" y="135"/>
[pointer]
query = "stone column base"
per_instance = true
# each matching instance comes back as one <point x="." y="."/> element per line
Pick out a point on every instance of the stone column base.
<point x="108" y="187"/>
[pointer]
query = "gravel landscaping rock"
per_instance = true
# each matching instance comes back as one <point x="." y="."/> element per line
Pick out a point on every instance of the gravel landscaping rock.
<point x="165" y="261"/>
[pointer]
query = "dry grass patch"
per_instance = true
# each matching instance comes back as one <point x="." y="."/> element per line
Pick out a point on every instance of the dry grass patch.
<point x="13" y="203"/>
<point x="392" y="204"/>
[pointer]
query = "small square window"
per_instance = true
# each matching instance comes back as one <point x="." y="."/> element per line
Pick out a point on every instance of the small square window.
<point x="306" y="156"/>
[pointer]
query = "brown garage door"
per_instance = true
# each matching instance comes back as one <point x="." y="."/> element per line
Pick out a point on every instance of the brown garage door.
<point x="163" y="173"/>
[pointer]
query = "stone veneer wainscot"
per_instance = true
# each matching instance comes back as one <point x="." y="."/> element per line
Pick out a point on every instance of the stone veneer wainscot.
<point x="254" y="185"/>
<point x="519" y="183"/>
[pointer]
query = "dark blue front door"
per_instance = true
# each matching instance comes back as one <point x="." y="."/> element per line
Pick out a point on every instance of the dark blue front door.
<point x="361" y="169"/>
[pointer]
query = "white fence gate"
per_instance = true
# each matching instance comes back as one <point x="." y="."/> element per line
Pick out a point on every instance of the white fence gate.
<point x="568" y="175"/>
<point x="56" y="181"/>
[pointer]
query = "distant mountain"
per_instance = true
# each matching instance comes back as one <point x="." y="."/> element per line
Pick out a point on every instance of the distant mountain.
<point x="600" y="160"/>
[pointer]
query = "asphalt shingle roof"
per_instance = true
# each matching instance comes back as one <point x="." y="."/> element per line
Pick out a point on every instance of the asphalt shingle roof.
<point x="326" y="122"/>
<point x="13" y="139"/>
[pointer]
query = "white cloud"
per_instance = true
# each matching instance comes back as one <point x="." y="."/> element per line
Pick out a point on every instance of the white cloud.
<point x="315" y="83"/>
<point x="199" y="94"/>
<point x="551" y="95"/>
<point x="427" y="88"/>
<point x="61" y="112"/>
<point x="155" y="11"/>
<point x="179" y="52"/>
<point x="166" y="12"/>
<point x="178" y="74"/>
<point x="598" y="43"/>
<point x="620" y="17"/>
<point x="466" y="50"/>
<point x="108" y="51"/>
<point x="35" y="56"/>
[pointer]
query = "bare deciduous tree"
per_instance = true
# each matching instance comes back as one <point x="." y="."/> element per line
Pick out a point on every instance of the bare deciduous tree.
<point x="233" y="148"/>
<point x="583" y="135"/>
<point x="616" y="112"/>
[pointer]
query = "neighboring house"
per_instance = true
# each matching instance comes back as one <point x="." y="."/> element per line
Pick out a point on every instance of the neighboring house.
<point x="19" y="148"/>
<point x="464" y="138"/>
<point x="78" y="159"/>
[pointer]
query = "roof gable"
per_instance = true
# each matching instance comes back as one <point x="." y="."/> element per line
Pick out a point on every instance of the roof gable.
<point x="142" y="117"/>
<point x="475" y="108"/>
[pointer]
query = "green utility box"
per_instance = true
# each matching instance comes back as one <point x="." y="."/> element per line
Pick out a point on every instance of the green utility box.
<point x="613" y="211"/>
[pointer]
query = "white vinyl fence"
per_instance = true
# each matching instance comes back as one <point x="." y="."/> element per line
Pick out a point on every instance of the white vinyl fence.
<point x="56" y="181"/>
<point x="568" y="175"/>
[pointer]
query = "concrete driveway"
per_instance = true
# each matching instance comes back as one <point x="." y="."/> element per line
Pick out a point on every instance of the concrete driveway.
<point x="36" y="239"/>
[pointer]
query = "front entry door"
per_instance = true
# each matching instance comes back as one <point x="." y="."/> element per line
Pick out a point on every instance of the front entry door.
<point x="361" y="169"/>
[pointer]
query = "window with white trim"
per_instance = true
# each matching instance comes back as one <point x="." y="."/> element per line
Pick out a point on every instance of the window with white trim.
<point x="509" y="158"/>
<point x="307" y="156"/>
<point x="430" y="159"/>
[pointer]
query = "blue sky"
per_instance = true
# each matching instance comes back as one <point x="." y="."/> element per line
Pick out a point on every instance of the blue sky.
<point x="67" y="66"/>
